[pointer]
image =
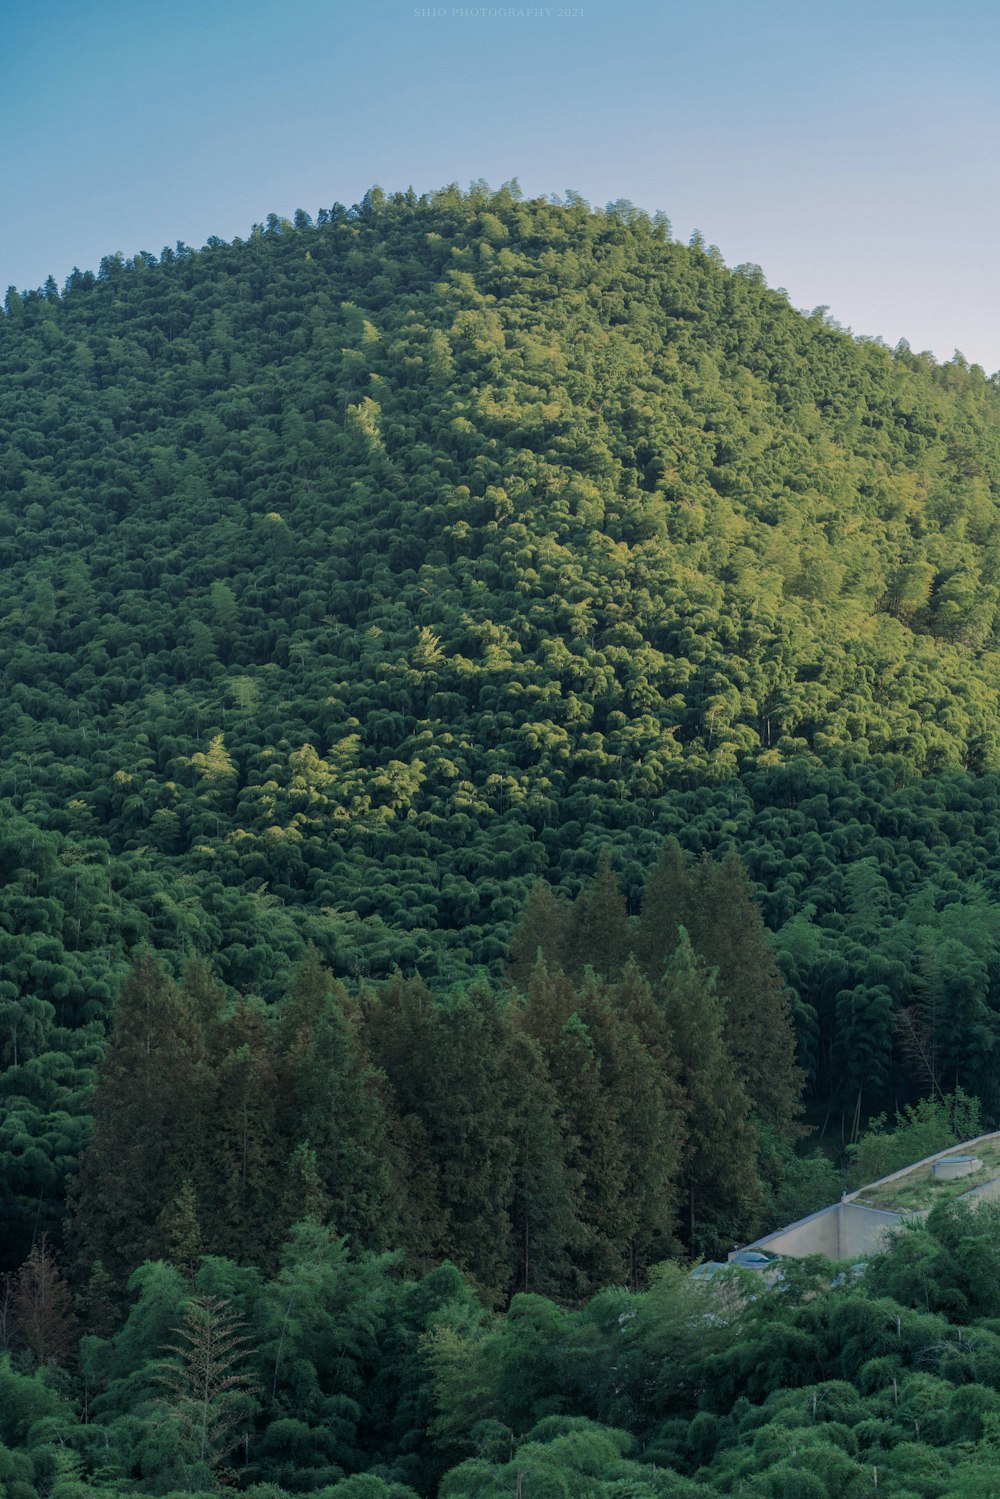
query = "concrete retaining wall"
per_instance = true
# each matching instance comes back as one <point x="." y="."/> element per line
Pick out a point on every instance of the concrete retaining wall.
<point x="988" y="1192"/>
<point x="817" y="1234"/>
<point x="865" y="1230"/>
<point x="840" y="1232"/>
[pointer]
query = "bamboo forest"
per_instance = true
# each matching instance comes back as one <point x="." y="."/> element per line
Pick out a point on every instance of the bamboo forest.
<point x="499" y="807"/>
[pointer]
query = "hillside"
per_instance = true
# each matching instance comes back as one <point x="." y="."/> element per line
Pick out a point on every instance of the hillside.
<point x="358" y="574"/>
<point x="527" y="475"/>
<point x="446" y="512"/>
<point x="484" y="683"/>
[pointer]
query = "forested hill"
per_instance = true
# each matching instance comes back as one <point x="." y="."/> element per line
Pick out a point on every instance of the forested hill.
<point x="505" y="593"/>
<point x="357" y="573"/>
<point x="526" y="475"/>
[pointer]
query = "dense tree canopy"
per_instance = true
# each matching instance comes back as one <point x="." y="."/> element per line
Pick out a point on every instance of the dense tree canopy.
<point x="498" y="706"/>
<point x="350" y="569"/>
<point x="341" y="1375"/>
<point x="358" y="573"/>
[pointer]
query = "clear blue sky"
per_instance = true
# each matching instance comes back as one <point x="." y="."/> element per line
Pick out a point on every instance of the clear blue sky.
<point x="852" y="150"/>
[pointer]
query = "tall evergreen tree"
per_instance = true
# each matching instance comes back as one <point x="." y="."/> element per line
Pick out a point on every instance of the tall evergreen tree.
<point x="597" y="1154"/>
<point x="642" y="1071"/>
<point x="150" y="1109"/>
<point x="543" y="927"/>
<point x="241" y="1171"/>
<point x="181" y="1231"/>
<point x="399" y="1031"/>
<point x="728" y="931"/>
<point x="471" y="1101"/>
<point x="665" y="909"/>
<point x="598" y="935"/>
<point x="331" y="1100"/>
<point x="546" y="1230"/>
<point x="550" y="1000"/>
<point x="718" y="1172"/>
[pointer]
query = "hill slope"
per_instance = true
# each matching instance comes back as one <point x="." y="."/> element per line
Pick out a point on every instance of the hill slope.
<point x="356" y="573"/>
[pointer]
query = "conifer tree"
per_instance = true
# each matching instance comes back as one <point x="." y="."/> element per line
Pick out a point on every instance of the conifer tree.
<point x="596" y="1155"/>
<point x="181" y="1231"/>
<point x="149" y="1110"/>
<point x="470" y="1102"/>
<point x="542" y="928"/>
<point x="641" y="1069"/>
<point x="599" y="931"/>
<point x="305" y="1198"/>
<point x="718" y="1170"/>
<point x="399" y="1031"/>
<point x="550" y="1000"/>
<point x="330" y="1098"/>
<point x="727" y="930"/>
<point x="610" y="1058"/>
<point x="546" y="1231"/>
<point x="206" y="996"/>
<point x="665" y="909"/>
<point x="242" y="1163"/>
<point x="95" y="1303"/>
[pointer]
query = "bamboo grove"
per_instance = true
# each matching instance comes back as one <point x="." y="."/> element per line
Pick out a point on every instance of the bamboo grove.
<point x="500" y="739"/>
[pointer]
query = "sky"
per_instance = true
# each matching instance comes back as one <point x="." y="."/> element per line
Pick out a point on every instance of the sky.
<point x="851" y="150"/>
